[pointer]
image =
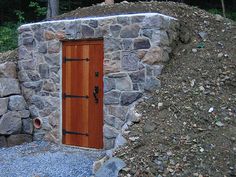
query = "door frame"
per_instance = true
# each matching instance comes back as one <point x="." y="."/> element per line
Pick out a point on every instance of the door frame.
<point x="61" y="99"/>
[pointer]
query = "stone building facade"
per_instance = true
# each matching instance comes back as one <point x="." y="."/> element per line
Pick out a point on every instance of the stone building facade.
<point x="136" y="47"/>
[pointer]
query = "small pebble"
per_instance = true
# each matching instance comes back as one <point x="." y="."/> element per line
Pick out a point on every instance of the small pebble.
<point x="211" y="110"/>
<point x="194" y="50"/>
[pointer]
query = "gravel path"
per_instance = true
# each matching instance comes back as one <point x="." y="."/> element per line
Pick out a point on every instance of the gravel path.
<point x="44" y="159"/>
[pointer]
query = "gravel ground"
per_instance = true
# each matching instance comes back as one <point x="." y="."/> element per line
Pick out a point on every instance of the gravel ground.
<point x="44" y="159"/>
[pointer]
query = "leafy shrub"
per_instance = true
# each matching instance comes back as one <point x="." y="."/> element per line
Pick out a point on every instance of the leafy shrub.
<point x="39" y="11"/>
<point x="8" y="36"/>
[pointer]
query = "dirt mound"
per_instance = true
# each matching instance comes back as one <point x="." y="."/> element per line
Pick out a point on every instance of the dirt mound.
<point x="188" y="127"/>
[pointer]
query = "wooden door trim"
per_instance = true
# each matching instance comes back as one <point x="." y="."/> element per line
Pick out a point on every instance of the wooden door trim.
<point x="81" y="40"/>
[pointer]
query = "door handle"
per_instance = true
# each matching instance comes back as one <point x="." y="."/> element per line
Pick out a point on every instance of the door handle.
<point x="95" y="93"/>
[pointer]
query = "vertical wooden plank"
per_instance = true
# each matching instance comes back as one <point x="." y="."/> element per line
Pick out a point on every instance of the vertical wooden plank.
<point x="67" y="90"/>
<point x="96" y="109"/>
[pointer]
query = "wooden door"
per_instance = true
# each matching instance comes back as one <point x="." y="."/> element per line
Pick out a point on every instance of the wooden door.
<point x="82" y="93"/>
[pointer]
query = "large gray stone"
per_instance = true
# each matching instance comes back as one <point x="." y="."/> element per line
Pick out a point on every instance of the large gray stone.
<point x="152" y="83"/>
<point x="109" y="143"/>
<point x="141" y="43"/>
<point x="157" y="70"/>
<point x="87" y="31"/>
<point x="111" y="168"/>
<point x="118" y="111"/>
<point x="34" y="112"/>
<point x="22" y="76"/>
<point x="160" y="38"/>
<point x="9" y="86"/>
<point x="10" y="123"/>
<point x="14" y="140"/>
<point x="8" y="70"/>
<point x="109" y="84"/>
<point x="36" y="85"/>
<point x="133" y="116"/>
<point x="53" y="59"/>
<point x="110" y="132"/>
<point x="38" y="34"/>
<point x="112" y="97"/>
<point x="27" y="93"/>
<point x="138" y="76"/>
<point x="129" y="97"/>
<point x="131" y="31"/>
<point x="3" y="141"/>
<point x="123" y="20"/>
<point x="93" y="23"/>
<point x="114" y="121"/>
<point x="33" y="75"/>
<point x="53" y="47"/>
<point x="123" y="84"/>
<point x="129" y="61"/>
<point x="156" y="55"/>
<point x="16" y="103"/>
<point x="27" y="64"/>
<point x="28" y="40"/>
<point x="71" y="30"/>
<point x="48" y="85"/>
<point x="120" y="141"/>
<point x="115" y="30"/>
<point x="38" y="101"/>
<point x="24" y="113"/>
<point x="27" y="126"/>
<point x="111" y="44"/>
<point x="147" y="33"/>
<point x="44" y="70"/>
<point x="127" y="44"/>
<point x="42" y="48"/>
<point x="3" y="105"/>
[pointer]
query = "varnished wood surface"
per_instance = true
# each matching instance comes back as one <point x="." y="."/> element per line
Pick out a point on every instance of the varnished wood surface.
<point x="78" y="78"/>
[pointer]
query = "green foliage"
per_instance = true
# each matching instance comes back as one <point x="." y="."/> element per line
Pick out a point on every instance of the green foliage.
<point x="20" y="16"/>
<point x="8" y="36"/>
<point x="40" y="11"/>
<point x="229" y="14"/>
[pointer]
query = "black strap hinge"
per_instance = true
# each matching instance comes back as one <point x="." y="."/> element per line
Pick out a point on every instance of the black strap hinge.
<point x="64" y="132"/>
<point x="75" y="59"/>
<point x="64" y="95"/>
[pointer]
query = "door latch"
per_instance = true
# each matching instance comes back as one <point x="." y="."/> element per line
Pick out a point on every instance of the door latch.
<point x="95" y="93"/>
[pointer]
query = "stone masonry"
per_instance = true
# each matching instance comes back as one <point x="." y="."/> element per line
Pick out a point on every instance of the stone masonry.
<point x="136" y="47"/>
<point x="15" y="123"/>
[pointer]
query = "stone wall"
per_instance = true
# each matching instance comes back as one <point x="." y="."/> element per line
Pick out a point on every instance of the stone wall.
<point x="15" y="122"/>
<point x="136" y="48"/>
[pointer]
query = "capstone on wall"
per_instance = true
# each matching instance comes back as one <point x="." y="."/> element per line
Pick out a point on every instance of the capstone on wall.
<point x="136" y="48"/>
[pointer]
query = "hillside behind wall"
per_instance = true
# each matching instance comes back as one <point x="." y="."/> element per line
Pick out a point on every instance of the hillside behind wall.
<point x="15" y="123"/>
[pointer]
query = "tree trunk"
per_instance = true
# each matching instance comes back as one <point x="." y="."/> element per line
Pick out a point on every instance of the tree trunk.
<point x="223" y="7"/>
<point x="53" y="8"/>
<point x="109" y="1"/>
